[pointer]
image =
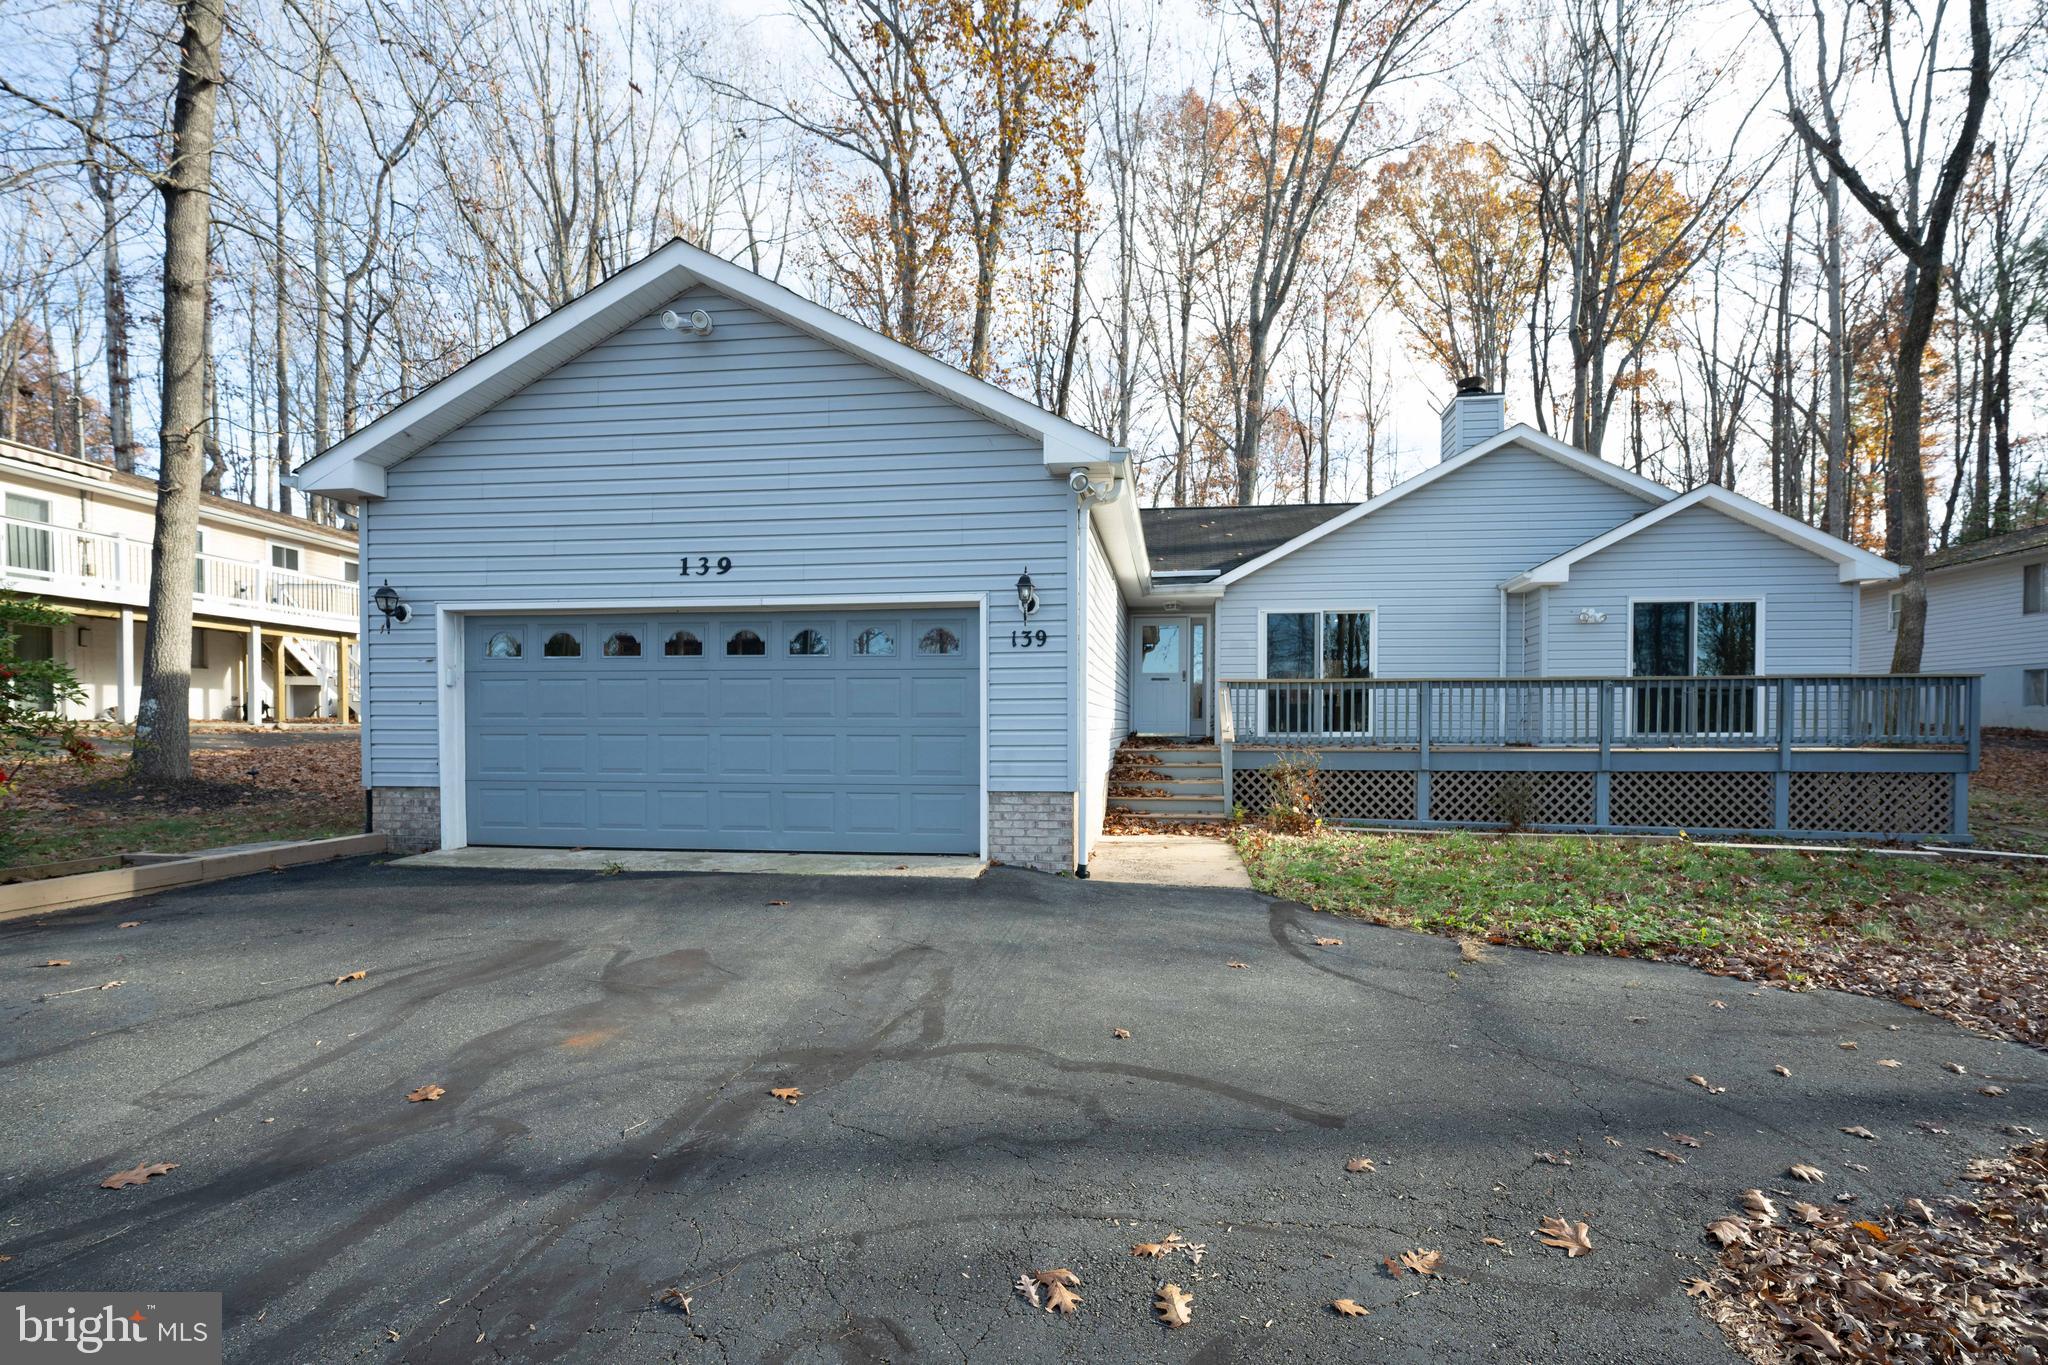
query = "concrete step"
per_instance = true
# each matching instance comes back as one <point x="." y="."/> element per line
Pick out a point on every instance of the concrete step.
<point x="1211" y="787"/>
<point x="1166" y="818"/>
<point x="1165" y="768"/>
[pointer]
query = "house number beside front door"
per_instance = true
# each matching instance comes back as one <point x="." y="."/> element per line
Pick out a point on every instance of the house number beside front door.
<point x="1028" y="639"/>
<point x="703" y="566"/>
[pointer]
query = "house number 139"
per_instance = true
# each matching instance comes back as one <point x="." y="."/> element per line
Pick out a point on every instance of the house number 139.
<point x="1028" y="639"/>
<point x="706" y="567"/>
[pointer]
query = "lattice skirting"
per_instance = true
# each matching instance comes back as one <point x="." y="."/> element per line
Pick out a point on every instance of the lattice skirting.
<point x="1690" y="801"/>
<point x="1871" y="803"/>
<point x="1511" y="799"/>
<point x="1347" y="794"/>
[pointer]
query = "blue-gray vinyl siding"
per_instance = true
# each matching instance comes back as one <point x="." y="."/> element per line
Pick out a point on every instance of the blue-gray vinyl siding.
<point x="1809" y="615"/>
<point x="1975" y="624"/>
<point x="855" y="732"/>
<point x="819" y="475"/>
<point x="1108" y="681"/>
<point x="1431" y="564"/>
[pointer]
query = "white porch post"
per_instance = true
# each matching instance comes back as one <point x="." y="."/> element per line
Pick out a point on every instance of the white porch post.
<point x="252" y="694"/>
<point x="124" y="668"/>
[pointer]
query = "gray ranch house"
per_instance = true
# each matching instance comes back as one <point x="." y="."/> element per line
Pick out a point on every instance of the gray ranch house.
<point x="696" y="563"/>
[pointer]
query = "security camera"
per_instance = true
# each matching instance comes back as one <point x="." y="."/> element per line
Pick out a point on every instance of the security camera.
<point x="1078" y="480"/>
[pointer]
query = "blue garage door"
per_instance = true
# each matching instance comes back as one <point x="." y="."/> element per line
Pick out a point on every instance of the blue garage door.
<point x="793" y="732"/>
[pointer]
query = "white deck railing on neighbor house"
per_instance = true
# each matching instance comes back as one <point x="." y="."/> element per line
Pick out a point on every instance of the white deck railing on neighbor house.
<point x="66" y="562"/>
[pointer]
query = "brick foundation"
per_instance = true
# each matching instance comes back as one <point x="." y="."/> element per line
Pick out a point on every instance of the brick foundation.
<point x="410" y="817"/>
<point x="1032" y="829"/>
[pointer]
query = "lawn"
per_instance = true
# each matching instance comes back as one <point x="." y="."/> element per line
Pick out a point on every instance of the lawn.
<point x="58" y="812"/>
<point x="1969" y="941"/>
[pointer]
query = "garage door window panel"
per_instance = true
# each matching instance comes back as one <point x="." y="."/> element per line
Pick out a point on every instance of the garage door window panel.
<point x="504" y="644"/>
<point x="745" y="642"/>
<point x="810" y="642"/>
<point x="687" y="642"/>
<point x="622" y="644"/>
<point x="562" y="644"/>
<point x="875" y="642"/>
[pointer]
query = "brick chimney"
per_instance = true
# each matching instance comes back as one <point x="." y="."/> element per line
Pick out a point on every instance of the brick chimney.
<point x="1472" y="416"/>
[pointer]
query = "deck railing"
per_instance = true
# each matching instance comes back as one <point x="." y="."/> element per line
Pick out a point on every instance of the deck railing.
<point x="63" y="561"/>
<point x="1805" y="711"/>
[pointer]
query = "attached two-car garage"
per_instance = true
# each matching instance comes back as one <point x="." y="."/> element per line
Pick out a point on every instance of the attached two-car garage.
<point x="846" y="731"/>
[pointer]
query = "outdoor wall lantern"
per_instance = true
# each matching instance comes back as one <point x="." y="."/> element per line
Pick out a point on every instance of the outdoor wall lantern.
<point x="386" y="600"/>
<point x="1592" y="616"/>
<point x="1027" y="595"/>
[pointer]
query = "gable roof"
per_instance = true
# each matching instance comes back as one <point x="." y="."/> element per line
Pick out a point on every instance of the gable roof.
<point x="2023" y="541"/>
<point x="1518" y="437"/>
<point x="354" y="467"/>
<point x="1853" y="565"/>
<point x="1186" y="541"/>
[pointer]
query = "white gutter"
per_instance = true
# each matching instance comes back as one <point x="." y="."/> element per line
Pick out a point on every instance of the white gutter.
<point x="1089" y="492"/>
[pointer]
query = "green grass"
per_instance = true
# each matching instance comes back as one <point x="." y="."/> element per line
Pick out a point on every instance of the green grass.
<point x="40" y="842"/>
<point x="1627" y="897"/>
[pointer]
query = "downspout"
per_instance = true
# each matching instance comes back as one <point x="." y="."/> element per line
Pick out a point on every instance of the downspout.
<point x="1088" y="492"/>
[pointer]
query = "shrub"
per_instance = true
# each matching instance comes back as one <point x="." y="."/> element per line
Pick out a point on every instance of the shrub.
<point x="1297" y="800"/>
<point x="31" y="691"/>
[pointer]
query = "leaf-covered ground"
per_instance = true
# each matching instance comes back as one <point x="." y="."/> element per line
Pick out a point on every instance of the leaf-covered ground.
<point x="55" y="812"/>
<point x="1966" y="941"/>
<point x="2009" y="794"/>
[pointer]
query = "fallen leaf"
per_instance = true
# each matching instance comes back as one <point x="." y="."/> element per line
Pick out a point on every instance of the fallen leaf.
<point x="1813" y="1334"/>
<point x="1493" y="1241"/>
<point x="426" y="1092"/>
<point x="1239" y="965"/>
<point x="1782" y="1070"/>
<point x="58" y="962"/>
<point x="140" y="1175"/>
<point x="778" y="902"/>
<point x="1471" y="950"/>
<point x="129" y="924"/>
<point x="1699" y="1289"/>
<point x="1329" y="943"/>
<point x="1889" y="1061"/>
<point x="1611" y="1141"/>
<point x="1554" y="1158"/>
<point x="1718" y="1004"/>
<point x="350" y="976"/>
<point x="1174" y="1305"/>
<point x="1846" y="1047"/>
<point x="1150" y="1250"/>
<point x="1350" y="1309"/>
<point x="1662" y="1155"/>
<point x="1956" y="1067"/>
<point x="1858" y="1130"/>
<point x="1683" y="1139"/>
<point x="1422" y="1262"/>
<point x="1701" y="1082"/>
<point x="676" y="1299"/>
<point x="1730" y="1232"/>
<point x="1573" y="1239"/>
<point x="1060" y="1299"/>
<point x="1873" y="1229"/>
<point x="788" y="1094"/>
<point x="1028" y="1287"/>
<point x="1809" y="1214"/>
<point x="1760" y="1204"/>
<point x="1057" y="1275"/>
<point x="1994" y="1091"/>
<point x="1926" y="1126"/>
<point x="1358" y="1164"/>
<point x="1196" y="1250"/>
<point x="1119" y="1033"/>
<point x="1812" y="1175"/>
<point x="1393" y="1266"/>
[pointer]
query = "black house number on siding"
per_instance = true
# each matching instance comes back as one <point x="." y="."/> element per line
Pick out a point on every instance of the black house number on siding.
<point x="1028" y="639"/>
<point x="703" y="566"/>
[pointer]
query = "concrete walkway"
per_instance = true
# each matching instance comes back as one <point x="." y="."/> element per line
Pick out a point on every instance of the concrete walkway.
<point x="1168" y="860"/>
<point x="662" y="860"/>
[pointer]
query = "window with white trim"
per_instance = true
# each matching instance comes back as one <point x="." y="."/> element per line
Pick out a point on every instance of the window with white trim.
<point x="2034" y="588"/>
<point x="2035" y="692"/>
<point x="1894" y="605"/>
<point x="285" y="557"/>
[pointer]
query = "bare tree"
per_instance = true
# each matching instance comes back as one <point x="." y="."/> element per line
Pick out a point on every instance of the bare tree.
<point x="1915" y="218"/>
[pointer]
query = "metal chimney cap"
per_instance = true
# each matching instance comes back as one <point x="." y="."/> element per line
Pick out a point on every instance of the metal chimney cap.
<point x="1472" y="383"/>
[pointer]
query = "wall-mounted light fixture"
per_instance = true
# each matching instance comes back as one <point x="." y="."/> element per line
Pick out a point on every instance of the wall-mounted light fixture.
<point x="1027" y="595"/>
<point x="387" y="600"/>
<point x="697" y="322"/>
<point x="1592" y="616"/>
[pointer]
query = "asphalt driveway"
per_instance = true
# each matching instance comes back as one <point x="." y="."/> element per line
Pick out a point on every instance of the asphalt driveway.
<point x="607" y="1045"/>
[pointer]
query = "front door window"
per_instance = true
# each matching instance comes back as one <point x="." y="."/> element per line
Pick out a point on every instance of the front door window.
<point x="1159" y="649"/>
<point x="1694" y="642"/>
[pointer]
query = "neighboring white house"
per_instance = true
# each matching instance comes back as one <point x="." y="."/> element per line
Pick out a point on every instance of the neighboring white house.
<point x="694" y="562"/>
<point x="271" y="592"/>
<point x="1987" y="612"/>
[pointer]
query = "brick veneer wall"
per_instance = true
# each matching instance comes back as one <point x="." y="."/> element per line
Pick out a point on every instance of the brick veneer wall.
<point x="410" y="817"/>
<point x="1032" y="829"/>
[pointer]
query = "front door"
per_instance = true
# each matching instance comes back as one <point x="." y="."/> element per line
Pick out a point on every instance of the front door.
<point x="1159" y="681"/>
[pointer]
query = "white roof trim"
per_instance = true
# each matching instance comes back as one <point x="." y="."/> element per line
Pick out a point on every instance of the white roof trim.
<point x="1520" y="436"/>
<point x="1854" y="565"/>
<point x="356" y="465"/>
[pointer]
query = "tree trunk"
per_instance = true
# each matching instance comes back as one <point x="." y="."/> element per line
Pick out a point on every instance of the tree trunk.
<point x="1909" y="544"/>
<point x="120" y="368"/>
<point x="163" y="749"/>
<point x="1835" y="512"/>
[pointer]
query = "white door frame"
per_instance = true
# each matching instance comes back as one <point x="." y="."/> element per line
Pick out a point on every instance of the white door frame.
<point x="1187" y="619"/>
<point x="449" y="644"/>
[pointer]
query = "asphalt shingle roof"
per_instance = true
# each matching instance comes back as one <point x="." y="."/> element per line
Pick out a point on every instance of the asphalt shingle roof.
<point x="2012" y="543"/>
<point x="1221" y="538"/>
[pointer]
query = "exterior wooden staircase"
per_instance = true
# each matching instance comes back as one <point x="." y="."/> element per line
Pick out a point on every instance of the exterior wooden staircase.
<point x="1166" y="784"/>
